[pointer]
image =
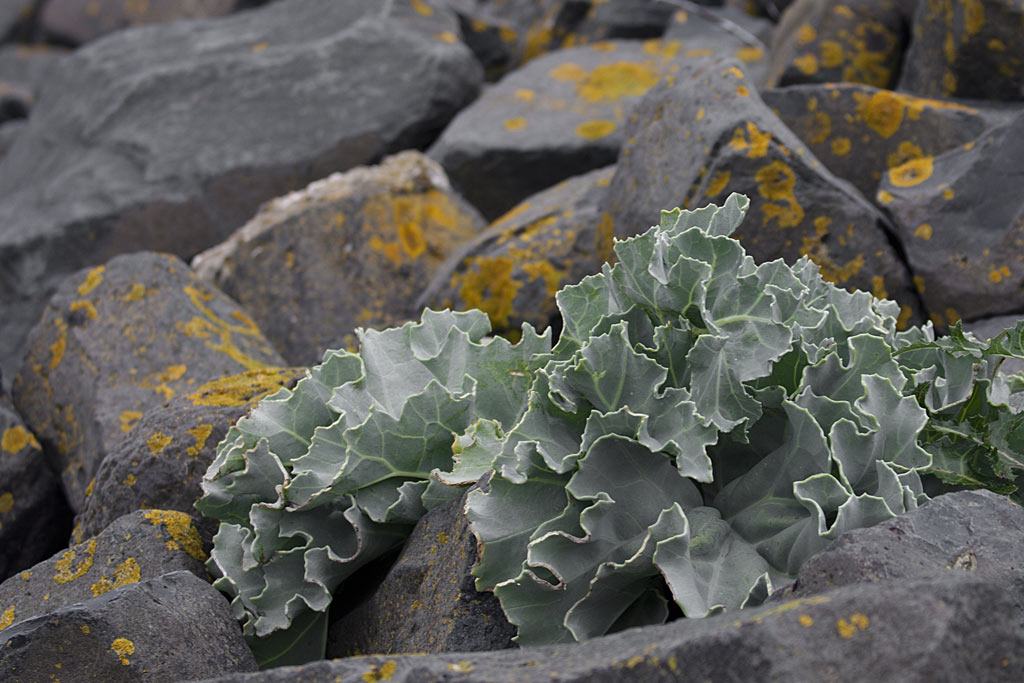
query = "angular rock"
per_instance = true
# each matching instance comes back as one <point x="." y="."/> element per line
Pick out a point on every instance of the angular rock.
<point x="352" y="250"/>
<point x="17" y="19"/>
<point x="142" y="545"/>
<point x="901" y="631"/>
<point x="723" y="32"/>
<point x="168" y="137"/>
<point x="860" y="132"/>
<point x="34" y="516"/>
<point x="161" y="461"/>
<point x="860" y="41"/>
<point x="560" y="115"/>
<point x="512" y="272"/>
<point x="75" y="22"/>
<point x="971" y="49"/>
<point x="169" y="628"/>
<point x="9" y="134"/>
<point x="711" y="134"/>
<point x="29" y="66"/>
<point x="976" y="533"/>
<point x="428" y="601"/>
<point x="118" y="340"/>
<point x="960" y="217"/>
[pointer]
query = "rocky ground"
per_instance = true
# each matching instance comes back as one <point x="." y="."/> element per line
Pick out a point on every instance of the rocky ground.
<point x="198" y="198"/>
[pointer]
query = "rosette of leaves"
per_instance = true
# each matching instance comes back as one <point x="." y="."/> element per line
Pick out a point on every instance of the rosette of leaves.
<point x="706" y="424"/>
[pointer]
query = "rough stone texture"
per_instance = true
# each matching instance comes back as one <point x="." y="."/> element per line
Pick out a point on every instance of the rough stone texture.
<point x="512" y="272"/>
<point x="860" y="41"/>
<point x="428" y="601"/>
<point x="559" y="116"/>
<point x="161" y="461"/>
<point x="136" y="547"/>
<point x="117" y="340"/>
<point x="17" y="18"/>
<point x="724" y="32"/>
<point x="169" y="628"/>
<point x="902" y="631"/>
<point x="966" y="48"/>
<point x="28" y="66"/>
<point x="352" y="250"/>
<point x="75" y="22"/>
<point x="9" y="134"/>
<point x="168" y="137"/>
<point x="860" y="132"/>
<point x="975" y="532"/>
<point x="960" y="217"/>
<point x="34" y="516"/>
<point x="711" y="134"/>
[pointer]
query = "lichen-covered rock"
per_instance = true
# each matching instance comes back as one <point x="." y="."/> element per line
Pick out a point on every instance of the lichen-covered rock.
<point x="34" y="516"/>
<point x="560" y="115"/>
<point x="711" y="134"/>
<point x="860" y="41"/>
<point x="960" y="217"/>
<point x="168" y="137"/>
<point x="860" y="132"/>
<point x="161" y="461"/>
<point x="169" y="628"/>
<point x="966" y="48"/>
<point x="512" y="271"/>
<point x="901" y="631"/>
<point x="428" y="601"/>
<point x="136" y="547"/>
<point x="117" y="340"/>
<point x="352" y="250"/>
<point x="723" y="32"/>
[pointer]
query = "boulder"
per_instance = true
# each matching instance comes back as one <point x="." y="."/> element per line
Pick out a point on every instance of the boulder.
<point x="139" y="546"/>
<point x="710" y="134"/>
<point x="168" y="628"/>
<point x="169" y="137"/>
<point x="960" y="218"/>
<point x="352" y="250"/>
<point x="161" y="460"/>
<point x="428" y="601"/>
<point x="17" y="19"/>
<point x="34" y="516"/>
<point x="860" y="132"/>
<point x="900" y="631"/>
<point x="117" y="340"/>
<point x="512" y="272"/>
<point x="725" y="31"/>
<point x="971" y="49"/>
<point x="560" y="115"/>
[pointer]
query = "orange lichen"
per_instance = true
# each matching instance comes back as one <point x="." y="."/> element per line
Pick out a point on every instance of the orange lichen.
<point x="998" y="274"/>
<point x="209" y="325"/>
<point x="610" y="82"/>
<point x="179" y="526"/>
<point x="123" y="647"/>
<point x="757" y="144"/>
<point x="718" y="183"/>
<point x="487" y="284"/>
<point x="595" y="129"/>
<point x="857" y="622"/>
<point x="236" y="390"/>
<point x="84" y="305"/>
<point x="819" y="128"/>
<point x="841" y="146"/>
<point x="157" y="442"/>
<point x="831" y="54"/>
<point x="422" y="7"/>
<point x="525" y="94"/>
<point x="128" y="419"/>
<point x="92" y="280"/>
<point x="136" y="293"/>
<point x="807" y="64"/>
<point x="7" y="618"/>
<point x="514" y="124"/>
<point x="124" y="573"/>
<point x="17" y="437"/>
<point x="567" y="72"/>
<point x="806" y="620"/>
<point x="6" y="502"/>
<point x="200" y="433"/>
<point x="906" y="151"/>
<point x="913" y="172"/>
<point x="66" y="569"/>
<point x="776" y="182"/>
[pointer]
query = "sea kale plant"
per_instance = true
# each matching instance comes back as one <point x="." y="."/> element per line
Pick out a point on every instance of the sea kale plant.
<point x="703" y="425"/>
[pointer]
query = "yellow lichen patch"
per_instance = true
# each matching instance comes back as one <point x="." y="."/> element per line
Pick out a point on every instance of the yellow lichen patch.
<point x="85" y="629"/>
<point x="700" y="113"/>
<point x="66" y="568"/>
<point x="446" y="37"/>
<point x="391" y="250"/>
<point x="125" y="573"/>
<point x="157" y="442"/>
<point x="568" y="72"/>
<point x="718" y="183"/>
<point x="742" y="90"/>
<point x="201" y="433"/>
<point x="805" y="620"/>
<point x="906" y="151"/>
<point x="6" y="502"/>
<point x="411" y="238"/>
<point x="914" y="172"/>
<point x="831" y="54"/>
<point x="996" y="45"/>
<point x="17" y="437"/>
<point x="595" y="129"/>
<point x="610" y="82"/>
<point x="903" y="319"/>
<point x="8" y="618"/>
<point x="841" y="146"/>
<point x="171" y="373"/>
<point x="487" y="284"/>
<point x="525" y="94"/>
<point x="90" y="487"/>
<point x="807" y="64"/>
<point x="948" y="193"/>
<point x="885" y="197"/>
<point x="514" y="124"/>
<point x="92" y="280"/>
<point x="952" y="317"/>
<point x="882" y="112"/>
<point x="84" y="305"/>
<point x="128" y="419"/>
<point x="666" y="49"/>
<point x="240" y="389"/>
<point x="919" y="283"/>
<point x="513" y="213"/>
<point x="757" y="144"/>
<point x="820" y="128"/>
<point x="129" y="480"/>
<point x="878" y="287"/>
<point x="57" y="350"/>
<point x="384" y="672"/>
<point x="749" y="53"/>
<point x="817" y="250"/>
<point x="212" y="326"/>
<point x="806" y="34"/>
<point x="857" y="622"/>
<point x="974" y="16"/>
<point x="543" y="269"/>
<point x="136" y="293"/>
<point x="179" y="526"/>
<point x="461" y="667"/>
<point x="776" y="182"/>
<point x="423" y="8"/>
<point x="123" y="647"/>
<point x="994" y="274"/>
<point x="697" y="52"/>
<point x="606" y="238"/>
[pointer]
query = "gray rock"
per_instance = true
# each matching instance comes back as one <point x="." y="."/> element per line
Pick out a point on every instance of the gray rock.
<point x="168" y="137"/>
<point x="726" y="31"/>
<point x="17" y="18"/>
<point x="960" y="218"/>
<point x="9" y="134"/>
<point x="902" y="631"/>
<point x="428" y="601"/>
<point x="169" y="628"/>
<point x="139" y="546"/>
<point x="710" y="134"/>
<point x="352" y="250"/>
<point x="34" y="516"/>
<point x="560" y="115"/>
<point x="29" y="66"/>
<point x="118" y="340"/>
